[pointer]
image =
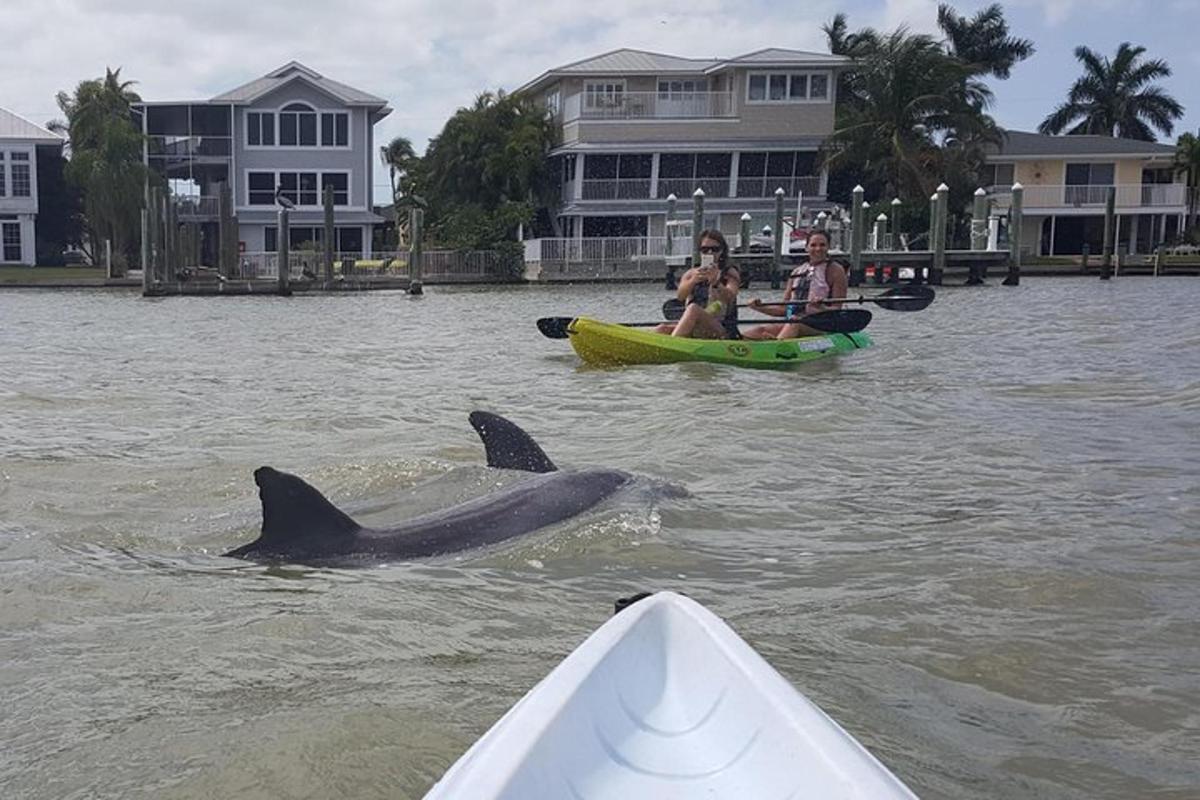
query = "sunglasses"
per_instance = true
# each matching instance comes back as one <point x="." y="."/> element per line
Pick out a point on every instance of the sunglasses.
<point x="712" y="248"/>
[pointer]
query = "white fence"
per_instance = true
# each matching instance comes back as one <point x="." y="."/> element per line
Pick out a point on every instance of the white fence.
<point x="305" y="264"/>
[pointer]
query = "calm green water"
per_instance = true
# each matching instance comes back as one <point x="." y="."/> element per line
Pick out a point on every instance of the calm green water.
<point x="975" y="545"/>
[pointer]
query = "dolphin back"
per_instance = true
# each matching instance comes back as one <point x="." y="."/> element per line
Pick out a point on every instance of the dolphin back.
<point x="297" y="520"/>
<point x="509" y="447"/>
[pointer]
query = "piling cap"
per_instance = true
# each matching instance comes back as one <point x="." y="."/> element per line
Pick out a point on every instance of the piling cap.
<point x="896" y="201"/>
<point x="822" y="215"/>
<point x="881" y="218"/>
<point x="943" y="187"/>
<point x="780" y="192"/>
<point x="746" y="216"/>
<point x="672" y="197"/>
<point x="980" y="192"/>
<point x="858" y="188"/>
<point x="1018" y="186"/>
<point x="866" y="204"/>
<point x="698" y="193"/>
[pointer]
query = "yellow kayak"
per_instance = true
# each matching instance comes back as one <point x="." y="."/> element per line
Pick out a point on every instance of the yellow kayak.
<point x="608" y="344"/>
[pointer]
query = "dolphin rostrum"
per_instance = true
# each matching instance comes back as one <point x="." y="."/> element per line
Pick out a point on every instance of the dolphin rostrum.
<point x="301" y="526"/>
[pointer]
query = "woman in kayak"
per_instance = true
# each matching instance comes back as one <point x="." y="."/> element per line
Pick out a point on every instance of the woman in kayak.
<point x="709" y="292"/>
<point x="814" y="286"/>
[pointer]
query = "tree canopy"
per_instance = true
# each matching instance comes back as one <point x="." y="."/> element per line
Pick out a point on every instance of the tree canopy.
<point x="106" y="160"/>
<point x="982" y="41"/>
<point x="1116" y="97"/>
<point x="1187" y="163"/>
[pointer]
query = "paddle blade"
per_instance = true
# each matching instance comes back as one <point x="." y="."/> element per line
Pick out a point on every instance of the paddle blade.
<point x="554" y="327"/>
<point x="673" y="309"/>
<point x="905" y="298"/>
<point x="843" y="320"/>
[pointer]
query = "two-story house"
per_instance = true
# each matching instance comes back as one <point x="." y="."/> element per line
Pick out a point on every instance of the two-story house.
<point x="637" y="127"/>
<point x="1066" y="181"/>
<point x="291" y="132"/>
<point x="20" y="141"/>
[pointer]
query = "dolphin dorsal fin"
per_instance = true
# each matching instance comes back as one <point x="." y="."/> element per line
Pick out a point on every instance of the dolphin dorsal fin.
<point x="292" y="510"/>
<point x="509" y="447"/>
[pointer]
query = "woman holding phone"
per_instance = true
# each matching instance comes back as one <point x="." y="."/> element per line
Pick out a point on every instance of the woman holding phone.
<point x="709" y="291"/>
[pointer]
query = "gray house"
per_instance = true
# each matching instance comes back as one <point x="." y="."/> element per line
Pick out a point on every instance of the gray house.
<point x="20" y="141"/>
<point x="292" y="132"/>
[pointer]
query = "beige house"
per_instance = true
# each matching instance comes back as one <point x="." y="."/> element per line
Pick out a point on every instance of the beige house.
<point x="637" y="127"/>
<point x="1066" y="181"/>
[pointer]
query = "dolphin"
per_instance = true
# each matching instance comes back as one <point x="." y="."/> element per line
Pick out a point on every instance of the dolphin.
<point x="301" y="526"/>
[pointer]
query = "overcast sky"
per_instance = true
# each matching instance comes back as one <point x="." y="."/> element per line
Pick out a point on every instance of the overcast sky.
<point x="429" y="58"/>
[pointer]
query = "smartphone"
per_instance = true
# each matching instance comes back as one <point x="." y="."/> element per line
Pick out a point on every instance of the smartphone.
<point x="708" y="260"/>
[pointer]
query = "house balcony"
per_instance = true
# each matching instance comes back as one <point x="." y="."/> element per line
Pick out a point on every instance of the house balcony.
<point x="167" y="151"/>
<point x="197" y="208"/>
<point x="1160" y="197"/>
<point x="649" y="105"/>
<point x="684" y="188"/>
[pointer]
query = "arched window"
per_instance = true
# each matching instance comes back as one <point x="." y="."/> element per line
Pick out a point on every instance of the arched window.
<point x="298" y="125"/>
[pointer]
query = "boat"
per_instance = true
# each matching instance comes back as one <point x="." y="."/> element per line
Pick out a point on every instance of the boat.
<point x="610" y="344"/>
<point x="665" y="701"/>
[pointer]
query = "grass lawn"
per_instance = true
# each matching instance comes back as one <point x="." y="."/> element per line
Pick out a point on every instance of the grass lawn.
<point x="49" y="274"/>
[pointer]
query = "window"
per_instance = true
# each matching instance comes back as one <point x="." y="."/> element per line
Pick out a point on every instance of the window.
<point x="297" y="126"/>
<point x="760" y="174"/>
<point x="262" y="188"/>
<point x="340" y="182"/>
<point x="299" y="187"/>
<point x="2" y="189"/>
<point x="346" y="240"/>
<point x="787" y="87"/>
<point x="1088" y="183"/>
<point x="676" y="89"/>
<point x="553" y="101"/>
<point x="335" y="129"/>
<point x="818" y="87"/>
<point x="19" y="170"/>
<point x="260" y="128"/>
<point x="603" y="94"/>
<point x="10" y="237"/>
<point x="997" y="175"/>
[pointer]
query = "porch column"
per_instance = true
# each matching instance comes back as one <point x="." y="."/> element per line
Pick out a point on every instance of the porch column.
<point x="1053" y="228"/>
<point x="579" y="177"/>
<point x="654" y="176"/>
<point x="734" y="166"/>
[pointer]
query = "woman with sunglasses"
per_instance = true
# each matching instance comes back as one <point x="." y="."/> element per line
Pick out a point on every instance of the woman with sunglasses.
<point x="814" y="286"/>
<point x="709" y="292"/>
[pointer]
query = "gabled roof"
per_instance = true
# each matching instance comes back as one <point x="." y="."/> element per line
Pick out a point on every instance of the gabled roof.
<point x="1022" y="144"/>
<point x="293" y="71"/>
<point x="627" y="61"/>
<point x="779" y="57"/>
<point x="14" y="126"/>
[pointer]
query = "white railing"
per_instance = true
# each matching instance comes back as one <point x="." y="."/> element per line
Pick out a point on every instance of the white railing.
<point x="808" y="185"/>
<point x="649" y="105"/>
<point x="310" y="265"/>
<point x="460" y="264"/>
<point x="190" y="207"/>
<point x="1127" y="196"/>
<point x="171" y="147"/>
<point x="683" y="188"/>
<point x="598" y="250"/>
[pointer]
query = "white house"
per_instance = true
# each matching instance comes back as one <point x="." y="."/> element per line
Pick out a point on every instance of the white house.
<point x="19" y="143"/>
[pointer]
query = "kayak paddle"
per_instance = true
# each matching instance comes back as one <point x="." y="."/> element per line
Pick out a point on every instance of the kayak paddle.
<point x="903" y="298"/>
<point x="848" y="320"/>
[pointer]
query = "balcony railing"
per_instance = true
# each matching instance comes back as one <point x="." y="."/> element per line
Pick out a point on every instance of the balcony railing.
<point x="173" y="148"/>
<point x="1127" y="196"/>
<point x="683" y="188"/>
<point x="765" y="187"/>
<point x="190" y="208"/>
<point x="649" y="105"/>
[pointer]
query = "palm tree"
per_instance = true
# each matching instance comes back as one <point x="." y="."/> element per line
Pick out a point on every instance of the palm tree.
<point x="402" y="163"/>
<point x="914" y="98"/>
<point x="1187" y="162"/>
<point x="983" y="41"/>
<point x="106" y="158"/>
<point x="1116" y="98"/>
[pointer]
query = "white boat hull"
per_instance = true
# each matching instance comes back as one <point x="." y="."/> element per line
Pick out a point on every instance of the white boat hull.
<point x="665" y="701"/>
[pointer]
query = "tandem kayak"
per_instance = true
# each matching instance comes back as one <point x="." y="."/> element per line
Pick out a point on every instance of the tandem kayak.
<point x="609" y="344"/>
<point x="665" y="701"/>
